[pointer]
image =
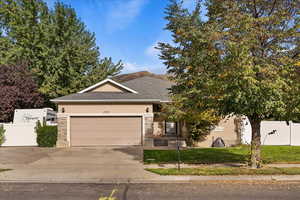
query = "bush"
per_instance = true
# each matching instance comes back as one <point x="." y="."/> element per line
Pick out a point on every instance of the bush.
<point x="2" y="136"/>
<point x="46" y="135"/>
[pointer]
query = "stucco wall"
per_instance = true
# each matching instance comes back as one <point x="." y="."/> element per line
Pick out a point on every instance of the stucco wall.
<point x="104" y="108"/>
<point x="107" y="87"/>
<point x="225" y="130"/>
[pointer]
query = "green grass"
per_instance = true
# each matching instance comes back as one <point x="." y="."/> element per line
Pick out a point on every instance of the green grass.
<point x="211" y="171"/>
<point x="270" y="154"/>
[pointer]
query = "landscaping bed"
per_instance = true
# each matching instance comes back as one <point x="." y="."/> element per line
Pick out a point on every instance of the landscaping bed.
<point x="240" y="154"/>
<point x="211" y="171"/>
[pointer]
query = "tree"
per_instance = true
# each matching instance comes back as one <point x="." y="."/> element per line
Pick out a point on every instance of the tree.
<point x="60" y="51"/>
<point x="239" y="61"/>
<point x="17" y="90"/>
<point x="199" y="124"/>
<point x="2" y="134"/>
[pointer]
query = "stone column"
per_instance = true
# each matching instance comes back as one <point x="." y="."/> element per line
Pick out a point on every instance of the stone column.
<point x="148" y="127"/>
<point x="62" y="132"/>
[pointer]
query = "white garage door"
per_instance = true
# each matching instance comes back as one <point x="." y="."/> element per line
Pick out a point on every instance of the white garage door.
<point x="94" y="131"/>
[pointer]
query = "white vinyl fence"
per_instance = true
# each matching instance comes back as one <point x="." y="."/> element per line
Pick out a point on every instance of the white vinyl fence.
<point x="20" y="134"/>
<point x="295" y="134"/>
<point x="274" y="133"/>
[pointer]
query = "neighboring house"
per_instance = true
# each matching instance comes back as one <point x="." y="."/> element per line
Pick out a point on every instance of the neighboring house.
<point x="119" y="111"/>
<point x="22" y="131"/>
<point x="33" y="115"/>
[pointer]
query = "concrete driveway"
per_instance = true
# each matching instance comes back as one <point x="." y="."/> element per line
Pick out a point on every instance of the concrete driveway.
<point x="55" y="164"/>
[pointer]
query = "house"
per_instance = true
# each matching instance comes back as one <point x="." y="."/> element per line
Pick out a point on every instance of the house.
<point x="21" y="132"/>
<point x="33" y="115"/>
<point x="118" y="111"/>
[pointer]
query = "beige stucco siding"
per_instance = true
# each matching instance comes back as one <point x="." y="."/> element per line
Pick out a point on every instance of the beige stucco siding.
<point x="225" y="130"/>
<point x="98" y="108"/>
<point x="107" y="87"/>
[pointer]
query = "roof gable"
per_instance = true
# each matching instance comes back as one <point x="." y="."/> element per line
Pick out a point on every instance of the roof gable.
<point x="110" y="84"/>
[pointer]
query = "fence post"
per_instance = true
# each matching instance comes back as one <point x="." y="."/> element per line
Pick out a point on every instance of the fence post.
<point x="291" y="123"/>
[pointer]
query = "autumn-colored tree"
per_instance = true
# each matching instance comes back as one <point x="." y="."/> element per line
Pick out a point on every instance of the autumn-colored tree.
<point x="238" y="60"/>
<point x="17" y="90"/>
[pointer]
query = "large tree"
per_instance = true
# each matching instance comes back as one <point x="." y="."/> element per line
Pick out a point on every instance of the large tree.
<point x="239" y="60"/>
<point x="17" y="90"/>
<point x="60" y="51"/>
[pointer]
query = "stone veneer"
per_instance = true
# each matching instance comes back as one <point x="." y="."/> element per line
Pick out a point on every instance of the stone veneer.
<point x="148" y="123"/>
<point x="62" y="132"/>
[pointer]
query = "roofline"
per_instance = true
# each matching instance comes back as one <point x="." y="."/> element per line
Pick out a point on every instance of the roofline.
<point x="109" y="100"/>
<point x="107" y="80"/>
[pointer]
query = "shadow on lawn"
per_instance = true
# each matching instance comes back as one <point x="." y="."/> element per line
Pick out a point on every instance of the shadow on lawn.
<point x="196" y="156"/>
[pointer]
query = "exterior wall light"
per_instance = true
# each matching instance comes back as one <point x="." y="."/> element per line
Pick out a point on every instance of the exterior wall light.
<point x="63" y="110"/>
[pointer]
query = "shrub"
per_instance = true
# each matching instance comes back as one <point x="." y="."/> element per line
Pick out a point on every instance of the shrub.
<point x="46" y="135"/>
<point x="2" y="136"/>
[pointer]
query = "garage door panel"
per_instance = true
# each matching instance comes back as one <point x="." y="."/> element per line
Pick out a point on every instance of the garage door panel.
<point x="91" y="131"/>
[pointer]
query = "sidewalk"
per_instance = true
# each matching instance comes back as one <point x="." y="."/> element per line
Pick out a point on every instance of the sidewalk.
<point x="162" y="179"/>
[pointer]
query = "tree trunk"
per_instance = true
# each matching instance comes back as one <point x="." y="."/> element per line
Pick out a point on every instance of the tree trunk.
<point x="255" y="144"/>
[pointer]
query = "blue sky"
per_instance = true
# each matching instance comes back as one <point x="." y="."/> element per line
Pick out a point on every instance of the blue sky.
<point x="126" y="30"/>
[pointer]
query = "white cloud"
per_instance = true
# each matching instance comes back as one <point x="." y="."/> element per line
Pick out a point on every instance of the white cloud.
<point x="123" y="12"/>
<point x="189" y="4"/>
<point x="152" y="51"/>
<point x="133" y="67"/>
<point x="156" y="67"/>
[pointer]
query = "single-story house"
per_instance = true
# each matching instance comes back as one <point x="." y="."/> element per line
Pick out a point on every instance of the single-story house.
<point x="120" y="111"/>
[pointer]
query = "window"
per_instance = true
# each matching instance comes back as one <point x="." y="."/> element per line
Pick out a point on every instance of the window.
<point x="171" y="128"/>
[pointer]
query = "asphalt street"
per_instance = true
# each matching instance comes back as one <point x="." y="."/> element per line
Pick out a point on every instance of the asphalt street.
<point x="171" y="191"/>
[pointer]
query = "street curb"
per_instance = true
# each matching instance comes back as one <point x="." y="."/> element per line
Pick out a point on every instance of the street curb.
<point x="162" y="179"/>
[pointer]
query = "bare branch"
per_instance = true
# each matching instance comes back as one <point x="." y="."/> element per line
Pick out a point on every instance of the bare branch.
<point x="273" y="7"/>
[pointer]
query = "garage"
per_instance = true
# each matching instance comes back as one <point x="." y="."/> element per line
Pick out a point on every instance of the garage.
<point x="97" y="131"/>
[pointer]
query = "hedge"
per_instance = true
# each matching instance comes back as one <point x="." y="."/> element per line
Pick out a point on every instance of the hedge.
<point x="46" y="135"/>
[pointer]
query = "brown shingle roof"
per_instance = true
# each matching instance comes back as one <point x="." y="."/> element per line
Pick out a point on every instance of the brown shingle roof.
<point x="149" y="88"/>
<point x="127" y="77"/>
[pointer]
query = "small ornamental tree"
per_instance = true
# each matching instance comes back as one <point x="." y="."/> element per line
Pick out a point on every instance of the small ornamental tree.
<point x="17" y="90"/>
<point x="240" y="60"/>
<point x="198" y="124"/>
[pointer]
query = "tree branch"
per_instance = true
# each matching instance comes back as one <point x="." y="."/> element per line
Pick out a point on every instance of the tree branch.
<point x="273" y="7"/>
<point x="255" y="10"/>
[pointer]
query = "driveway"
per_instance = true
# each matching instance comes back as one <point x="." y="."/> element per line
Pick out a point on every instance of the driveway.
<point x="55" y="164"/>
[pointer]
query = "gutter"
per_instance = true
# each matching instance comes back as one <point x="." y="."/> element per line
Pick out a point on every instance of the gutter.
<point x="108" y="100"/>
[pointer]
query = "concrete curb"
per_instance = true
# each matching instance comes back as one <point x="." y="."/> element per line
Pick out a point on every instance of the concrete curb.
<point x="162" y="179"/>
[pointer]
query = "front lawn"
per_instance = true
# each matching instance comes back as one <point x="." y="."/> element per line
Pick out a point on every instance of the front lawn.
<point x="211" y="171"/>
<point x="270" y="154"/>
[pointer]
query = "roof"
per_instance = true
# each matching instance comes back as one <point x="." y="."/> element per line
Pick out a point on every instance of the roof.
<point x="146" y="88"/>
<point x="127" y="77"/>
<point x="105" y="81"/>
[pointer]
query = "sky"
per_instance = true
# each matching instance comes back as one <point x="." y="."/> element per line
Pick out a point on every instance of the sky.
<point x="126" y="30"/>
